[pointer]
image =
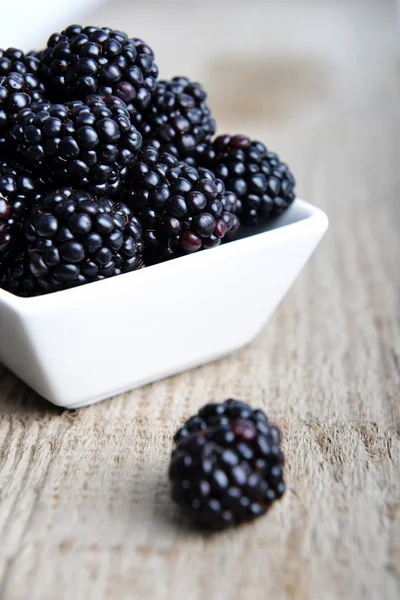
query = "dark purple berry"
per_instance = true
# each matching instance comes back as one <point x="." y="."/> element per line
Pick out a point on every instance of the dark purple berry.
<point x="90" y="60"/>
<point x="74" y="238"/>
<point x="86" y="144"/>
<point x="18" y="90"/>
<point x="263" y="185"/>
<point x="226" y="474"/>
<point x="178" y="117"/>
<point x="182" y="209"/>
<point x="19" y="189"/>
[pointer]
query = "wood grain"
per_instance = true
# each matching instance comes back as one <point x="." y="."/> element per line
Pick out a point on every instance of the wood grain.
<point x="85" y="511"/>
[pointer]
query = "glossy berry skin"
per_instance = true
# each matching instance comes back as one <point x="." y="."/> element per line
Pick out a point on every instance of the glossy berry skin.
<point x="263" y="184"/>
<point x="18" y="279"/>
<point x="86" y="60"/>
<point x="19" y="189"/>
<point x="227" y="465"/>
<point x="17" y="91"/>
<point x="13" y="60"/>
<point x="74" y="238"/>
<point x="179" y="117"/>
<point x="203" y="156"/>
<point x="85" y="144"/>
<point x="146" y="174"/>
<point x="182" y="209"/>
<point x="19" y="87"/>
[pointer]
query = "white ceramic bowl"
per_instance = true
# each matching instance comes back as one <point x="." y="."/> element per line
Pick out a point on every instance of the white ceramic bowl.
<point x="80" y="346"/>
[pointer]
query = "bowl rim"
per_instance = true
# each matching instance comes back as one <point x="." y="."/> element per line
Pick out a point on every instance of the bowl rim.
<point x="274" y="231"/>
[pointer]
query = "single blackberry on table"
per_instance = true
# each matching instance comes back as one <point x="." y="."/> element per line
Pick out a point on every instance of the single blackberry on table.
<point x="17" y="91"/>
<point x="263" y="184"/>
<point x="87" y="144"/>
<point x="19" y="189"/>
<point x="178" y="117"/>
<point x="227" y="465"/>
<point x="86" y="60"/>
<point x="75" y="238"/>
<point x="182" y="209"/>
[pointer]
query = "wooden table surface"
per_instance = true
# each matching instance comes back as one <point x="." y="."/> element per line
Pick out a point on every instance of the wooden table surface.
<point x="85" y="511"/>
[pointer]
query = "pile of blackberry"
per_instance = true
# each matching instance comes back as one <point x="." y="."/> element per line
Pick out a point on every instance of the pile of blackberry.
<point x="86" y="128"/>
<point x="227" y="465"/>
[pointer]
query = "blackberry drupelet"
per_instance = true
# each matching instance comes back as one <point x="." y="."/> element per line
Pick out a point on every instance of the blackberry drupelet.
<point x="19" y="189"/>
<point x="227" y="465"/>
<point x="87" y="144"/>
<point x="263" y="184"/>
<point x="86" y="60"/>
<point x="75" y="238"/>
<point x="179" y="117"/>
<point x="182" y="209"/>
<point x="17" y="91"/>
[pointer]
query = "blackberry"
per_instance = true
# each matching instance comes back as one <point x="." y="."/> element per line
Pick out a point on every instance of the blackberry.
<point x="227" y="465"/>
<point x="17" y="91"/>
<point x="19" y="86"/>
<point x="182" y="209"/>
<point x="86" y="60"/>
<point x="19" y="189"/>
<point x="87" y="144"/>
<point x="18" y="279"/>
<point x="13" y="60"/>
<point x="262" y="183"/>
<point x="179" y="117"/>
<point x="75" y="238"/>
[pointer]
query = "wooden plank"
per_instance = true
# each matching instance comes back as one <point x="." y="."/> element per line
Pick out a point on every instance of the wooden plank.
<point x="84" y="500"/>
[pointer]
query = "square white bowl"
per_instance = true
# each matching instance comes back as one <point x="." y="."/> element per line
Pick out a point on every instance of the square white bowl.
<point x="80" y="346"/>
